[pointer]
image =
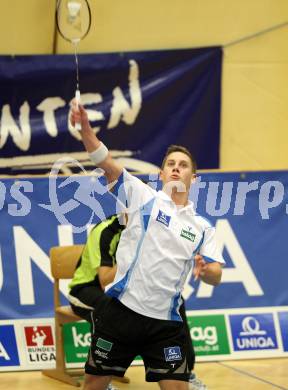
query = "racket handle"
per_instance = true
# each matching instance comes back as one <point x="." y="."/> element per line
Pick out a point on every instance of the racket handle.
<point x="78" y="100"/>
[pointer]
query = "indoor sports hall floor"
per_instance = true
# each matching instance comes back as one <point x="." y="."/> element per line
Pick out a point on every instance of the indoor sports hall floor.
<point x="261" y="374"/>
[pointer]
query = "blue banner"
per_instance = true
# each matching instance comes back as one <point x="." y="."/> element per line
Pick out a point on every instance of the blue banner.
<point x="249" y="211"/>
<point x="138" y="102"/>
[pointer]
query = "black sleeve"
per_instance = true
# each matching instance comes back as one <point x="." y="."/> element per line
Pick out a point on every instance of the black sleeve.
<point x="105" y="240"/>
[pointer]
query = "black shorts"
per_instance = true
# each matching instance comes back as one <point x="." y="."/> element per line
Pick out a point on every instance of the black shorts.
<point x="90" y="295"/>
<point x="120" y="334"/>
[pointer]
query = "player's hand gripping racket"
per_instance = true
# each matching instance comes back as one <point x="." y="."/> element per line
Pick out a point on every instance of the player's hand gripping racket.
<point x="73" y="19"/>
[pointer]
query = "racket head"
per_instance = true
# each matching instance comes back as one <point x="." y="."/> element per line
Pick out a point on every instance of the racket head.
<point x="73" y="19"/>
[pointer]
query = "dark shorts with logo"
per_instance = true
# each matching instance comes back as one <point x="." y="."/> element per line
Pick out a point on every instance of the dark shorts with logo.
<point x="120" y="334"/>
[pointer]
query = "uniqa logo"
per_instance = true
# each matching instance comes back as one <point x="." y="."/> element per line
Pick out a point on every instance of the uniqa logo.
<point x="255" y="342"/>
<point x="252" y="336"/>
<point x="250" y="327"/>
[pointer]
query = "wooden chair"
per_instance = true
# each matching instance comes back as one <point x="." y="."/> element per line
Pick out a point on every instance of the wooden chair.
<point x="63" y="263"/>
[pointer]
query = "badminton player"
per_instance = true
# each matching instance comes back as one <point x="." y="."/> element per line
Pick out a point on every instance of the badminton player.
<point x="155" y="254"/>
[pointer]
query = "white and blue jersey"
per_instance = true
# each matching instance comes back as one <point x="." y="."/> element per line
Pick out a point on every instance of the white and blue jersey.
<point x="156" y="250"/>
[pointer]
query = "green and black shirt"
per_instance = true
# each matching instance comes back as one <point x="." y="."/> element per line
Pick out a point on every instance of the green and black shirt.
<point x="99" y="251"/>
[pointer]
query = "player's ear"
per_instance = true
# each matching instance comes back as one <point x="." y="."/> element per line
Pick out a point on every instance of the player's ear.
<point x="193" y="179"/>
<point x="161" y="174"/>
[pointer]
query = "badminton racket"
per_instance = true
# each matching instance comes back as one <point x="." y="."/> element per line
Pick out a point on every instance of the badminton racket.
<point x="73" y="20"/>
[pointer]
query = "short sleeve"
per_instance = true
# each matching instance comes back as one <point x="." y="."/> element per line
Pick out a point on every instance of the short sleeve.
<point x="209" y="249"/>
<point x="131" y="192"/>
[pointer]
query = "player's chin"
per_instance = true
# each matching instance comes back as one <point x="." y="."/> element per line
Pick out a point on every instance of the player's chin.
<point x="176" y="184"/>
<point x="172" y="181"/>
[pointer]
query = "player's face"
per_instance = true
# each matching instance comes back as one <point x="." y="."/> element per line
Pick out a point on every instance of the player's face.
<point x="178" y="167"/>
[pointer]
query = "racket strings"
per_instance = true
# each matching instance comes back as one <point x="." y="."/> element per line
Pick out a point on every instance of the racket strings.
<point x="73" y="23"/>
<point x="73" y="20"/>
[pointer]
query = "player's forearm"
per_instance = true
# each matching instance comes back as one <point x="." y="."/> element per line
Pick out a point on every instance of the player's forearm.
<point x="106" y="275"/>
<point x="89" y="139"/>
<point x="97" y="151"/>
<point x="212" y="274"/>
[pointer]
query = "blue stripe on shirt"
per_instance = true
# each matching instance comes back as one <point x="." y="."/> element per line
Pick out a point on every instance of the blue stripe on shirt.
<point x="118" y="289"/>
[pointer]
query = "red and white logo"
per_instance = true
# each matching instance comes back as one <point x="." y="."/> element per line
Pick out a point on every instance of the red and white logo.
<point x="39" y="336"/>
<point x="40" y="344"/>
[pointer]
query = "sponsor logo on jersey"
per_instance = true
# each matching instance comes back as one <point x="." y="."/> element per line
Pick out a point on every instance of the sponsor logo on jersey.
<point x="172" y="353"/>
<point x="188" y="235"/>
<point x="163" y="218"/>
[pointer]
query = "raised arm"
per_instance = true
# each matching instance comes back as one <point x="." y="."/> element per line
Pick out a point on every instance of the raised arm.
<point x="98" y="152"/>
